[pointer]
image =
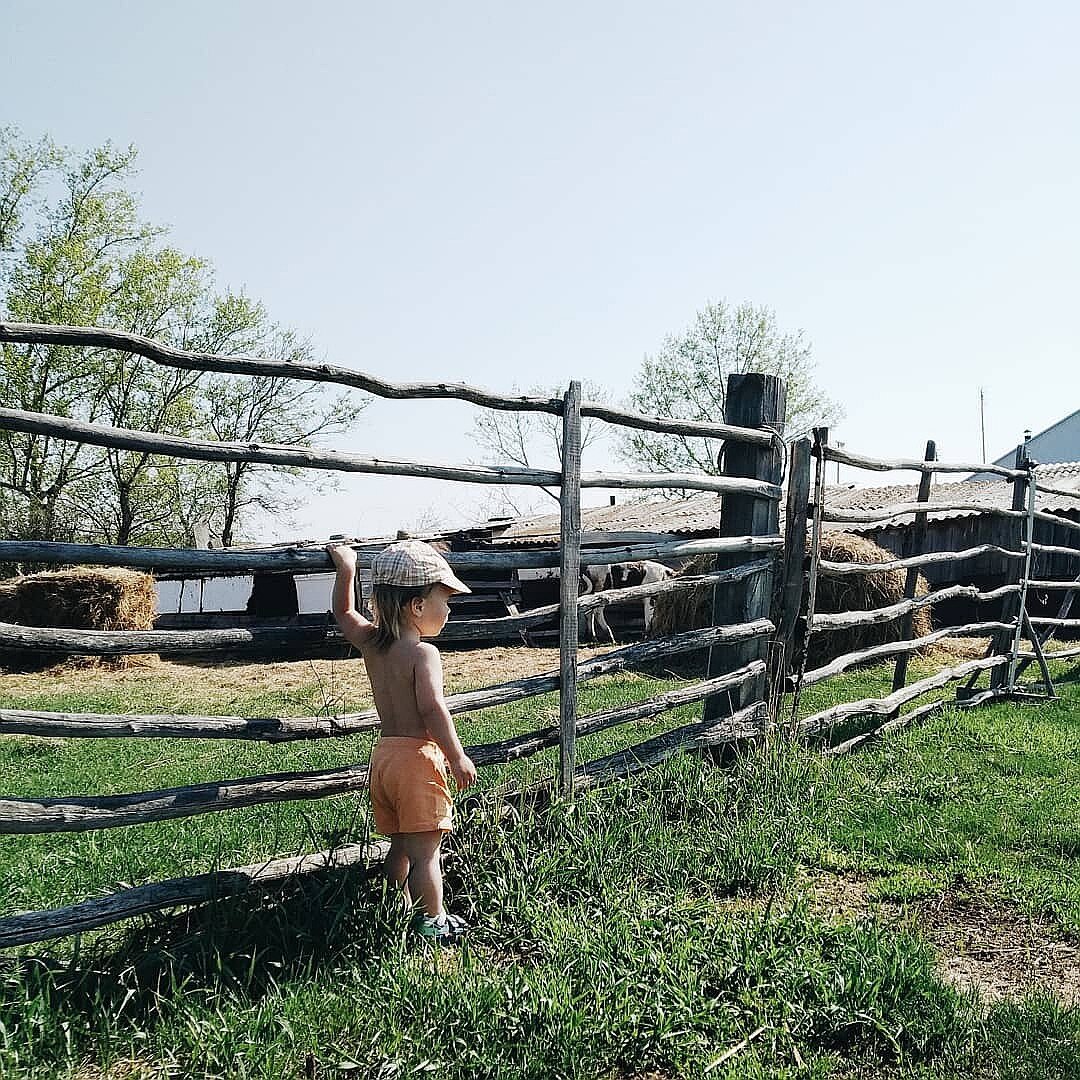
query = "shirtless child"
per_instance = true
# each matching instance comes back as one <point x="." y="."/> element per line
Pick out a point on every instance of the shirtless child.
<point x="411" y="584"/>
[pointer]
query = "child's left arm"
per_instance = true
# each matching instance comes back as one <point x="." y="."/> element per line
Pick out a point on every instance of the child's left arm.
<point x="353" y="625"/>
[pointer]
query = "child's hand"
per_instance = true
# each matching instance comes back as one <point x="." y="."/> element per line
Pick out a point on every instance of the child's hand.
<point x="464" y="772"/>
<point x="342" y="555"/>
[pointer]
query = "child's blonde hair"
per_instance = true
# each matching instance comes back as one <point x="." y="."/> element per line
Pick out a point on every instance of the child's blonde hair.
<point x="388" y="603"/>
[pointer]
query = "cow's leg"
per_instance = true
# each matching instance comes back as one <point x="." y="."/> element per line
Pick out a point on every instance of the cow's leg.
<point x="602" y="624"/>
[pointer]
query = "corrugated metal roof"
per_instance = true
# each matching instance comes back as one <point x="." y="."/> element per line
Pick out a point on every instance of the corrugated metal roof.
<point x="698" y="515"/>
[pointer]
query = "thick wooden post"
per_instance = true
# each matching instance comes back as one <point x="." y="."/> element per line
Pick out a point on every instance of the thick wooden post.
<point x="790" y="582"/>
<point x="752" y="401"/>
<point x="914" y="543"/>
<point x="569" y="584"/>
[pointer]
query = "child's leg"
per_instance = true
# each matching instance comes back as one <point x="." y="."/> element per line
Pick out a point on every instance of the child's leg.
<point x="396" y="867"/>
<point x="425" y="877"/>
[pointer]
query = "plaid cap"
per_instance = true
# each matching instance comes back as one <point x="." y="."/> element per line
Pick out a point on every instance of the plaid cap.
<point x="411" y="564"/>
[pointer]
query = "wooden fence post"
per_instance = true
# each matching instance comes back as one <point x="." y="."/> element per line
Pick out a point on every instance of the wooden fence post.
<point x="1010" y="610"/>
<point x="914" y="542"/>
<point x="569" y="585"/>
<point x="790" y="583"/>
<point x="755" y="401"/>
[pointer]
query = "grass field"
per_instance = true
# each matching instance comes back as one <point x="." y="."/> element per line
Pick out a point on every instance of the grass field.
<point x="909" y="910"/>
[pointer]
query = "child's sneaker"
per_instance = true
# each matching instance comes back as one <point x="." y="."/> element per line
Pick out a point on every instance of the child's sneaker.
<point x="441" y="929"/>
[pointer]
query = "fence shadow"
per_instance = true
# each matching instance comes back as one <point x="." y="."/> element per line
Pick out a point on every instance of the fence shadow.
<point x="244" y="945"/>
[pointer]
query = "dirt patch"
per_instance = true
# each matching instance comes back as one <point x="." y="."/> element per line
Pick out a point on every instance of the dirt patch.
<point x="1000" y="951"/>
<point x="463" y="670"/>
<point x="991" y="947"/>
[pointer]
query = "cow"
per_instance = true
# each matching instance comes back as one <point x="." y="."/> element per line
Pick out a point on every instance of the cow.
<point x="602" y="577"/>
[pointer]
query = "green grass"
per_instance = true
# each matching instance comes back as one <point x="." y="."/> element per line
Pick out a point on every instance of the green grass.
<point x="649" y="929"/>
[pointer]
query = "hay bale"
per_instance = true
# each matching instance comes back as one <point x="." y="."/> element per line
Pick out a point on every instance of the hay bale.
<point x="105" y="598"/>
<point x="691" y="609"/>
<point x="860" y="592"/>
<point x="687" y="609"/>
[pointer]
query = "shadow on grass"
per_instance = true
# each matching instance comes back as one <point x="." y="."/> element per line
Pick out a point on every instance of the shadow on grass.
<point x="245" y="946"/>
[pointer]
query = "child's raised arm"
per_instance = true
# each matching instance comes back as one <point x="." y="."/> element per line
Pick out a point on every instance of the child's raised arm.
<point x="352" y="624"/>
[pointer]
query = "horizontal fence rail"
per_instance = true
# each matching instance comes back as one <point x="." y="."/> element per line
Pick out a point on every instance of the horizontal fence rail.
<point x="845" y="620"/>
<point x="314" y="559"/>
<point x="288" y="729"/>
<point x="895" y="648"/>
<point x="821" y="721"/>
<point x="840" y="569"/>
<point x="339" y="461"/>
<point x="41" y="334"/>
<point x="181" y="891"/>
<point x="81" y="813"/>
<point x="858" y="461"/>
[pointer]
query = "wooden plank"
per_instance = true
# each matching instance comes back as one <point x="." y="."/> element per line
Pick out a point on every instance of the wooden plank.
<point x="313" y="559"/>
<point x="532" y="742"/>
<point x="749" y="722"/>
<point x="787" y="601"/>
<point x="1021" y="605"/>
<point x="79" y="813"/>
<point x="822" y="721"/>
<point x="845" y="619"/>
<point x="840" y="569"/>
<point x="1039" y="655"/>
<point x="885" y="706"/>
<point x="569" y="585"/>
<point x="914" y="542"/>
<point x="288" y="729"/>
<point x="894" y="648"/>
<point x="897" y="723"/>
<point x="98" y="337"/>
<point x="757" y="401"/>
<point x="180" y="892"/>
<point x="310" y="458"/>
<point x="859" y="461"/>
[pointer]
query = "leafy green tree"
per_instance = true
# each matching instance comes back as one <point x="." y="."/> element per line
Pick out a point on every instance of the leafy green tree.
<point x="687" y="378"/>
<point x="73" y="250"/>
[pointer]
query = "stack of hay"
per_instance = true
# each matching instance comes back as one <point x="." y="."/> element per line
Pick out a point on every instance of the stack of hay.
<point x="690" y="609"/>
<point x="861" y="592"/>
<point x="83" y="599"/>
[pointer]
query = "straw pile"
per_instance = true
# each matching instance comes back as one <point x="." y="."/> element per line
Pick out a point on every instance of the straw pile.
<point x="860" y="592"/>
<point x="689" y="609"/>
<point x="83" y="599"/>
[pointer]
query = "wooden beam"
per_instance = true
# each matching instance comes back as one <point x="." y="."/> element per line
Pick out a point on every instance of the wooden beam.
<point x="840" y="569"/>
<point x="858" y="461"/>
<point x="822" y="721"/>
<point x="98" y="337"/>
<point x="180" y="892"/>
<point x="845" y="619"/>
<point x="314" y="559"/>
<point x="894" y="648"/>
<point x="569" y="585"/>
<point x="750" y="401"/>
<point x="914" y="542"/>
<point x="870" y="517"/>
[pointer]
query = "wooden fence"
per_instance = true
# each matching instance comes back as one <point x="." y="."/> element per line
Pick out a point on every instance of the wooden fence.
<point x="1005" y="659"/>
<point x="762" y="584"/>
<point x="728" y="713"/>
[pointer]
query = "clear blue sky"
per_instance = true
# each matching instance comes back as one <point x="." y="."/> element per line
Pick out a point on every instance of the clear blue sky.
<point x="500" y="193"/>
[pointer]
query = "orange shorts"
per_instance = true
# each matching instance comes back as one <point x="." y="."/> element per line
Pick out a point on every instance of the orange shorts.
<point x="409" y="790"/>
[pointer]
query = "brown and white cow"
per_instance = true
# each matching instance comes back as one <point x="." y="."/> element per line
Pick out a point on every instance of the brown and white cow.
<point x="599" y="577"/>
